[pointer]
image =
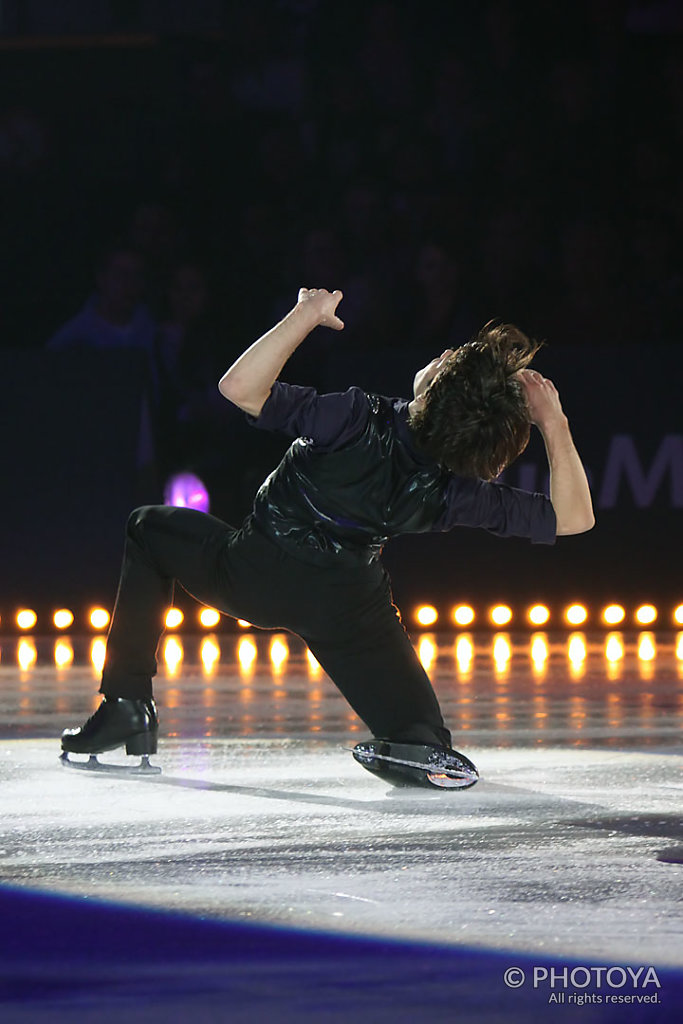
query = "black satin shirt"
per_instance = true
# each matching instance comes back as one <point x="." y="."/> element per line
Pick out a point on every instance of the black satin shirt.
<point x="353" y="478"/>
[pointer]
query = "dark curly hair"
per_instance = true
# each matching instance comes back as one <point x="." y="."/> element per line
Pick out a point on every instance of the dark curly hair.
<point x="475" y="419"/>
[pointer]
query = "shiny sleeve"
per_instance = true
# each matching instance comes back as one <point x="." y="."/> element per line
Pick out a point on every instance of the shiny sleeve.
<point x="330" y="421"/>
<point x="502" y="510"/>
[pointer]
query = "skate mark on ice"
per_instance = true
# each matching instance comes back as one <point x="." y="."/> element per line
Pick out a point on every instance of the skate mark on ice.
<point x="269" y="794"/>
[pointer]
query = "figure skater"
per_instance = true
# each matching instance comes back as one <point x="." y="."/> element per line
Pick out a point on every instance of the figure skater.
<point x="361" y="469"/>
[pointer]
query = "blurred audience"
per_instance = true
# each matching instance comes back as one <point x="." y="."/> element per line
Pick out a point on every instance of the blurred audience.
<point x="115" y="316"/>
<point x="185" y="357"/>
<point x="442" y="315"/>
<point x="440" y="163"/>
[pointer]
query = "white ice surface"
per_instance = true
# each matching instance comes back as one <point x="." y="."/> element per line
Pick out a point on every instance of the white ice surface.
<point x="554" y="851"/>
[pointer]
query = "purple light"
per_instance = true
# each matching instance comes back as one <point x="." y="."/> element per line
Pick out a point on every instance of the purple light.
<point x="185" y="490"/>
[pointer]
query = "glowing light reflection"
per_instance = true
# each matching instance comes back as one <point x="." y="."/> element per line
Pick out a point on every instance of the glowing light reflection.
<point x="647" y="650"/>
<point x="314" y="666"/>
<point x="98" y="649"/>
<point x="539" y="652"/>
<point x="578" y="714"/>
<point x="172" y="700"/>
<point x="279" y="653"/>
<point x="577" y="652"/>
<point x="210" y="654"/>
<point x="614" y="647"/>
<point x="502" y="652"/>
<point x="614" y="710"/>
<point x="464" y="653"/>
<point x="426" y="652"/>
<point x="26" y="654"/>
<point x="540" y="712"/>
<point x="64" y="654"/>
<point x="679" y="646"/>
<point x="246" y="653"/>
<point x="172" y="654"/>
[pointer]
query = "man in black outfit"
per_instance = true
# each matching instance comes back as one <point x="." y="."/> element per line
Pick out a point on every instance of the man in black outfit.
<point x="361" y="469"/>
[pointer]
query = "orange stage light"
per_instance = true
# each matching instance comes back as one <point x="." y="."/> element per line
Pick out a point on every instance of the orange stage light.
<point x="426" y="615"/>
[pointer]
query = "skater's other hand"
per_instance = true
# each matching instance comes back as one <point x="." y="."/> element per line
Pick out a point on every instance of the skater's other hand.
<point x="542" y="398"/>
<point x="322" y="305"/>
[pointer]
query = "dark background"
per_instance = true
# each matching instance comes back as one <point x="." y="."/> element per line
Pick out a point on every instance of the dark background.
<point x="442" y="163"/>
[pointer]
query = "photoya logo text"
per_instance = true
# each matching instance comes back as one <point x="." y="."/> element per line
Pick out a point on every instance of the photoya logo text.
<point x="599" y="977"/>
<point x="571" y="985"/>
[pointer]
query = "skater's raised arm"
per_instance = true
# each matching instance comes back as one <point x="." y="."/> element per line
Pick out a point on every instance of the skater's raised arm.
<point x="569" y="491"/>
<point x="248" y="382"/>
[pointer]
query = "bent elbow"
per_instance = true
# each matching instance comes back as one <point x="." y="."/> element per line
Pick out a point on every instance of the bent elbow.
<point x="577" y="525"/>
<point x="224" y="388"/>
<point x="587" y="524"/>
<point x="249" y="403"/>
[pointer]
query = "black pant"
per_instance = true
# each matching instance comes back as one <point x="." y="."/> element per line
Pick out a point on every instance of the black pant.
<point x="345" y="616"/>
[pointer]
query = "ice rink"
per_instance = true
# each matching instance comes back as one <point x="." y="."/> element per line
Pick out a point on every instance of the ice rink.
<point x="264" y="875"/>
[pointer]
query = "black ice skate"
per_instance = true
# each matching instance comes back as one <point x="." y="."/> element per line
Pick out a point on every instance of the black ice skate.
<point x="416" y="764"/>
<point x="116" y="723"/>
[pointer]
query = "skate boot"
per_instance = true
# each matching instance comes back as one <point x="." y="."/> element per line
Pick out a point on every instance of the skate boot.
<point x="416" y="764"/>
<point x="117" y="722"/>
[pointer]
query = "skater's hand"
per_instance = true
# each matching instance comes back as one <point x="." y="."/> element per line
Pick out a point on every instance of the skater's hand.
<point x="321" y="305"/>
<point x="542" y="398"/>
<point x="248" y="382"/>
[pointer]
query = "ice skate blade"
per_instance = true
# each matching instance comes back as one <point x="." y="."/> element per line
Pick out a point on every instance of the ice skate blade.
<point x="93" y="765"/>
<point x="443" y="780"/>
<point x="442" y="770"/>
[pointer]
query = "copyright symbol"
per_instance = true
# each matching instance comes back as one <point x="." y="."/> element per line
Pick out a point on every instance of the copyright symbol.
<point x="514" y="977"/>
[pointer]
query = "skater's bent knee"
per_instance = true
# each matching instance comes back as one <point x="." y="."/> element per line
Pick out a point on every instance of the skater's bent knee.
<point x="137" y="519"/>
